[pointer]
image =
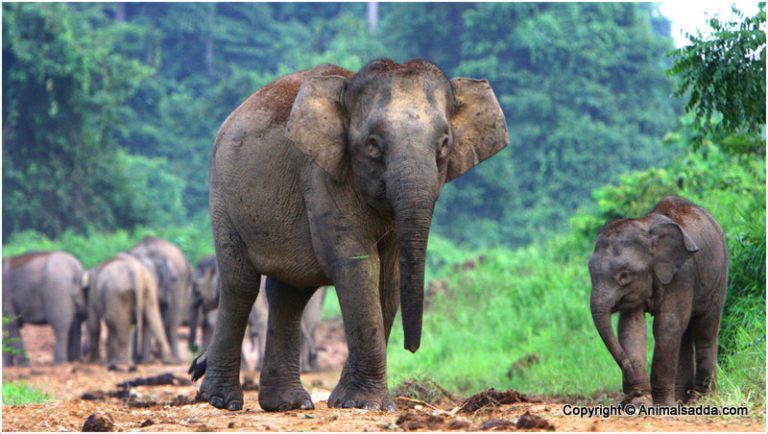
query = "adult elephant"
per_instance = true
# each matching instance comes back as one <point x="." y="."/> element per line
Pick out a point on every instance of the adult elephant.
<point x="122" y="292"/>
<point x="43" y="288"/>
<point x="329" y="177"/>
<point x="174" y="283"/>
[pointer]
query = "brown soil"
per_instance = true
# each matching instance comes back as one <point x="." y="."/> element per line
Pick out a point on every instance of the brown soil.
<point x="170" y="404"/>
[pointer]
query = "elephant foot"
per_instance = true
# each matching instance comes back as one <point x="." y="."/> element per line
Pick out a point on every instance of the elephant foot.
<point x="349" y="396"/>
<point x="280" y="398"/>
<point x="222" y="391"/>
<point x="637" y="400"/>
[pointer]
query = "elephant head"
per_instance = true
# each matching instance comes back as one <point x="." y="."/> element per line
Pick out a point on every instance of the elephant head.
<point x="633" y="259"/>
<point x="397" y="133"/>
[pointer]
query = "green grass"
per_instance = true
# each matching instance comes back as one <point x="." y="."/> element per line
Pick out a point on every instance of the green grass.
<point x="21" y="393"/>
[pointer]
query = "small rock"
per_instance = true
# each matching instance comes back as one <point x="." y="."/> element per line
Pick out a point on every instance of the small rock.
<point x="531" y="421"/>
<point x="98" y="423"/>
<point x="496" y="423"/>
<point x="147" y="423"/>
<point x="231" y="425"/>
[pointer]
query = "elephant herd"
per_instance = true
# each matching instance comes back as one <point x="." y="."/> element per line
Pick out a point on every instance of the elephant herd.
<point x="330" y="177"/>
<point x="141" y="296"/>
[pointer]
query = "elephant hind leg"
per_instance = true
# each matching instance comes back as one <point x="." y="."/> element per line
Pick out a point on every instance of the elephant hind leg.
<point x="154" y="325"/>
<point x="280" y="386"/>
<point x="705" y="333"/>
<point x="75" y="346"/>
<point x="685" y="372"/>
<point x="118" y="345"/>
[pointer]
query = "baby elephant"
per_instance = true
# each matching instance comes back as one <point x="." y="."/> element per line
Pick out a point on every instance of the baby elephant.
<point x="673" y="263"/>
<point x="123" y="293"/>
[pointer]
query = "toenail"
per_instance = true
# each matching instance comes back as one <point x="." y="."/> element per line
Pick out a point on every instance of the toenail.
<point x="307" y="405"/>
<point x="234" y="405"/>
<point x="348" y="404"/>
<point x="217" y="402"/>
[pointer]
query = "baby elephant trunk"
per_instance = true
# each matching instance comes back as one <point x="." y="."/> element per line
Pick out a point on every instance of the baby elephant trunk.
<point x="601" y="315"/>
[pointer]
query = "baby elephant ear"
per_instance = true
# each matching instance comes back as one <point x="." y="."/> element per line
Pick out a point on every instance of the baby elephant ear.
<point x="478" y="123"/>
<point x="672" y="246"/>
<point x="317" y="125"/>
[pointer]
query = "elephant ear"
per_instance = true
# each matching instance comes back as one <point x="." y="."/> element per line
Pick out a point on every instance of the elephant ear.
<point x="672" y="246"/>
<point x="478" y="124"/>
<point x="317" y="123"/>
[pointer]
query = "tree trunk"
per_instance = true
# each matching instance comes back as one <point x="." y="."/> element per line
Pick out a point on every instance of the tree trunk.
<point x="120" y="12"/>
<point x="373" y="17"/>
<point x="209" y="41"/>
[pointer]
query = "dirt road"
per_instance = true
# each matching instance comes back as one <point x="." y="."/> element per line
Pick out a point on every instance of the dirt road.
<point x="171" y="407"/>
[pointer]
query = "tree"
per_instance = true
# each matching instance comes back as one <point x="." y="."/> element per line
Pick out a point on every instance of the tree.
<point x="723" y="75"/>
<point x="585" y="96"/>
<point x="62" y="85"/>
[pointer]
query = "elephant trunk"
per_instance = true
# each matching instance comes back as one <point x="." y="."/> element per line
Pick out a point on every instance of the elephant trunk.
<point x="601" y="315"/>
<point x="415" y="192"/>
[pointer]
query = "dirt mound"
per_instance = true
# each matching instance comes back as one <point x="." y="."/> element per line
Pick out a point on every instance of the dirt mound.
<point x="158" y="380"/>
<point x="429" y="422"/>
<point x="530" y="421"/>
<point x="492" y="398"/>
<point x="99" y="423"/>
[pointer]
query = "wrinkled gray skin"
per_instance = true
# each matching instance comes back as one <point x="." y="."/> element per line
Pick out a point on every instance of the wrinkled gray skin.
<point x="328" y="177"/>
<point x="673" y="263"/>
<point x="43" y="288"/>
<point x="257" y="324"/>
<point x="204" y="310"/>
<point x="122" y="292"/>
<point x="174" y="284"/>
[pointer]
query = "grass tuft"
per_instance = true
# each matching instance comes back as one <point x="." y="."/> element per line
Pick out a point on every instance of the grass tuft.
<point x="21" y="393"/>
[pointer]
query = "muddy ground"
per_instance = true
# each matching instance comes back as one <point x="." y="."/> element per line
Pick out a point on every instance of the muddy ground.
<point x="172" y="407"/>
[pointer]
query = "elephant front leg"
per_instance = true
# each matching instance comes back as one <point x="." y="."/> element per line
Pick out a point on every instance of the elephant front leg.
<point x="668" y="333"/>
<point x="633" y="338"/>
<point x="363" y="382"/>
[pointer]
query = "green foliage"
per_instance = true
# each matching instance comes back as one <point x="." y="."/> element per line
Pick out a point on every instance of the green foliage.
<point x="21" y="393"/>
<point x="175" y="71"/>
<point x="584" y="93"/>
<point x="62" y="83"/>
<point x="724" y="74"/>
<point x="9" y="344"/>
<point x="194" y="239"/>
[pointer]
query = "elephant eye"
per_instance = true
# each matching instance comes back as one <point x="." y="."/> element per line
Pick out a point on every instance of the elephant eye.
<point x="374" y="147"/>
<point x="623" y="277"/>
<point x="442" y="146"/>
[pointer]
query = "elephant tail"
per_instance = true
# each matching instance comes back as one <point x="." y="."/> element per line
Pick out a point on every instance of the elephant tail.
<point x="138" y="288"/>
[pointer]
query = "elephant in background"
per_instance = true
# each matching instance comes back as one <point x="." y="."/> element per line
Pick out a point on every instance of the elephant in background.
<point x="43" y="288"/>
<point x="174" y="283"/>
<point x="123" y="293"/>
<point x="330" y="177"/>
<point x="203" y="302"/>
<point x="257" y="326"/>
<point x="673" y="263"/>
<point x="204" y="310"/>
